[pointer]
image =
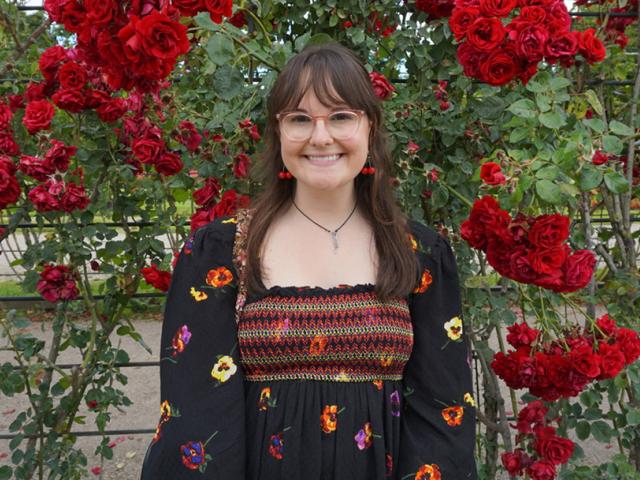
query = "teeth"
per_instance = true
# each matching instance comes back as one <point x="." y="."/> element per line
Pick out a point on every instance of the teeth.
<point x="330" y="158"/>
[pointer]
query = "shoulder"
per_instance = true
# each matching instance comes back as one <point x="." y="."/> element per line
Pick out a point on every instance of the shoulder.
<point x="426" y="236"/>
<point x="221" y="229"/>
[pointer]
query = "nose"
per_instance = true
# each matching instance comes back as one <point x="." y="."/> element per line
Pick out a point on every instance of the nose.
<point x="320" y="135"/>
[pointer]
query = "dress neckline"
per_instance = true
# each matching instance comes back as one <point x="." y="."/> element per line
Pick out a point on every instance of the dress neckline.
<point x="308" y="290"/>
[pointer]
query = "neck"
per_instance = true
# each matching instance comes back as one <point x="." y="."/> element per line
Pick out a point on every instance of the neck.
<point x="329" y="208"/>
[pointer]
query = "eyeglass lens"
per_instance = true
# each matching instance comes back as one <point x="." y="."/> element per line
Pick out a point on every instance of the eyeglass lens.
<point x="299" y="126"/>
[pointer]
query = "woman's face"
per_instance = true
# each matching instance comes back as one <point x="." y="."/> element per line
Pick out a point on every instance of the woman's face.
<point x="313" y="162"/>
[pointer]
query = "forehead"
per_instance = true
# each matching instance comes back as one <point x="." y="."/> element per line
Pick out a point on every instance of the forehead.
<point x="315" y="89"/>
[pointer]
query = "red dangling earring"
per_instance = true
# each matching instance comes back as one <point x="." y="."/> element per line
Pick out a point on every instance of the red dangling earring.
<point x="368" y="169"/>
<point x="284" y="174"/>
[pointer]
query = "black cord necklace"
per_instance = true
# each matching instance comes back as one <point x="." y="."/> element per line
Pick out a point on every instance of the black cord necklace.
<point x="334" y="233"/>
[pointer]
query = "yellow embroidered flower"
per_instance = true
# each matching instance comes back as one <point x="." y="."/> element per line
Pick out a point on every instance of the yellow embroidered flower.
<point x="468" y="398"/>
<point x="454" y="328"/>
<point x="428" y="472"/>
<point x="453" y="415"/>
<point x="198" y="295"/>
<point x="230" y="220"/>
<point x="414" y="243"/>
<point x="265" y="396"/>
<point x="342" y="377"/>
<point x="425" y="282"/>
<point x="223" y="370"/>
<point x="165" y="409"/>
<point x="219" y="277"/>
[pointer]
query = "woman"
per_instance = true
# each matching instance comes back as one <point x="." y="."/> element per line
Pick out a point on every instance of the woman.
<point x="316" y="335"/>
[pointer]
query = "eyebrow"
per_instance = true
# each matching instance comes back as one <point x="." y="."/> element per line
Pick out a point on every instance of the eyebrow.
<point x="335" y="107"/>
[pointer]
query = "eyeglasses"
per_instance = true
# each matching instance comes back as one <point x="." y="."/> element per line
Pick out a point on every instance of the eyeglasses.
<point x="341" y="124"/>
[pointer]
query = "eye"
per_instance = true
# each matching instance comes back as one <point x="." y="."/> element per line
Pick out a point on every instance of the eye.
<point x="298" y="118"/>
<point x="342" y="116"/>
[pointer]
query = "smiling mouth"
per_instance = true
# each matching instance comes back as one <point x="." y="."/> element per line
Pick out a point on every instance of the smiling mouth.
<point x="323" y="159"/>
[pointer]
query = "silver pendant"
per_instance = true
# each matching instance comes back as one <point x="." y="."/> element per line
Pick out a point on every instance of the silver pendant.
<point x="334" y="235"/>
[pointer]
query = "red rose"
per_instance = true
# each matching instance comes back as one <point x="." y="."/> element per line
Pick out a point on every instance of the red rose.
<point x="111" y="111"/>
<point x="8" y="145"/>
<point x="460" y="20"/>
<point x="147" y="149"/>
<point x="585" y="361"/>
<point x="612" y="359"/>
<point x="491" y="174"/>
<point x="241" y="165"/>
<point x="96" y="98"/>
<point x="591" y="47"/>
<point x="157" y="278"/>
<point x="530" y="42"/>
<point x="168" y="164"/>
<point x="6" y="116"/>
<point x="9" y="186"/>
<point x="59" y="154"/>
<point x="57" y="282"/>
<point x="74" y="198"/>
<point x="531" y="416"/>
<point x="188" y="8"/>
<point x="69" y="100"/>
<point x="607" y="324"/>
<point x="578" y="269"/>
<point x="553" y="280"/>
<point x="599" y="158"/>
<point x="207" y="195"/>
<point x="549" y="230"/>
<point x="519" y="268"/>
<point x="497" y="8"/>
<point x="201" y="217"/>
<point x="51" y="60"/>
<point x="558" y="19"/>
<point x="470" y="58"/>
<point x="629" y="344"/>
<point x="189" y="136"/>
<point x="54" y="8"/>
<point x="549" y="446"/>
<point x="218" y="9"/>
<point x="45" y="197"/>
<point x="72" y="76"/>
<point x="546" y="260"/>
<point x="520" y="334"/>
<point x="499" y="68"/>
<point x="16" y="102"/>
<point x="531" y="14"/>
<point x="562" y="45"/>
<point x="238" y="20"/>
<point x="486" y="34"/>
<point x="38" y="115"/>
<point x="229" y="203"/>
<point x="436" y="8"/>
<point x="487" y="220"/>
<point x="513" y="462"/>
<point x="74" y="16"/>
<point x="381" y="86"/>
<point x="162" y="37"/>
<point x="36" y="167"/>
<point x="100" y="12"/>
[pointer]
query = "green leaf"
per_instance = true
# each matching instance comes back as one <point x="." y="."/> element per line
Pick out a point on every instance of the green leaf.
<point x="620" y="128"/>
<point x="590" y="178"/>
<point x="616" y="182"/>
<point x="551" y="120"/>
<point x="550" y="172"/>
<point x="558" y="83"/>
<point x="548" y="191"/>
<point x="612" y="144"/>
<point x="543" y="102"/>
<point x="320" y="38"/>
<point x="5" y="472"/>
<point x="601" y="431"/>
<point x="228" y="82"/>
<point x="593" y="100"/>
<point x="583" y="429"/>
<point x="594" y="124"/>
<point x="524" y="108"/>
<point x="220" y="49"/>
<point x="519" y="134"/>
<point x="633" y="417"/>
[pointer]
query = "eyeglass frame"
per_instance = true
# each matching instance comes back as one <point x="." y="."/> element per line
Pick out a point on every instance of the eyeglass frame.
<point x="314" y="118"/>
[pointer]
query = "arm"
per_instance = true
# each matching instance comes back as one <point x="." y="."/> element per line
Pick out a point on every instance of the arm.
<point x="201" y="426"/>
<point x="438" y="420"/>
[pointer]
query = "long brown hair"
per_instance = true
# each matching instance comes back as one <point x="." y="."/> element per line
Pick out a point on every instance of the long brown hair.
<point x="329" y="69"/>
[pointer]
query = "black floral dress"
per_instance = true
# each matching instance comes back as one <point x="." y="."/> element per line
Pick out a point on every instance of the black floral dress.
<point x="311" y="383"/>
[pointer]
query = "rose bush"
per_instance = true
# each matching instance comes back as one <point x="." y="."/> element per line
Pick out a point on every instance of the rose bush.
<point x="152" y="111"/>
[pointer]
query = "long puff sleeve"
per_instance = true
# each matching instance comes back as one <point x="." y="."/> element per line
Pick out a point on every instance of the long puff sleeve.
<point x="200" y="433"/>
<point x="438" y="421"/>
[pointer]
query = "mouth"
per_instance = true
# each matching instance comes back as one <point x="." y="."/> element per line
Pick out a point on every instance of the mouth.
<point x="323" y="159"/>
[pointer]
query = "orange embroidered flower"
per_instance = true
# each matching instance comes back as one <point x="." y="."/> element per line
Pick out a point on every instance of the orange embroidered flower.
<point x="198" y="295"/>
<point x="165" y="409"/>
<point x="265" y="396"/>
<point x="378" y="384"/>
<point x="425" y="282"/>
<point x="428" y="472"/>
<point x="386" y="360"/>
<point x="329" y="418"/>
<point x="219" y="277"/>
<point x="414" y="244"/>
<point x="453" y="415"/>
<point x="318" y="345"/>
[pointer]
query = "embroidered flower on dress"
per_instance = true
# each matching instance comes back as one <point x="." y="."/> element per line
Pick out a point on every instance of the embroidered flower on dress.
<point x="265" y="399"/>
<point x="329" y="418"/>
<point x="414" y="243"/>
<point x="223" y="369"/>
<point x="389" y="465"/>
<point x="198" y="295"/>
<point x="193" y="455"/>
<point x="425" y="282"/>
<point x="386" y="360"/>
<point x="395" y="403"/>
<point x="342" y="377"/>
<point x="428" y="472"/>
<point x="378" y="384"/>
<point x="468" y="398"/>
<point x="454" y="328"/>
<point x="180" y="340"/>
<point x="219" y="277"/>
<point x="282" y="327"/>
<point x="165" y="415"/>
<point x="318" y="345"/>
<point x="453" y="415"/>
<point x="230" y="220"/>
<point x="276" y="446"/>
<point x="188" y="245"/>
<point x="364" y="437"/>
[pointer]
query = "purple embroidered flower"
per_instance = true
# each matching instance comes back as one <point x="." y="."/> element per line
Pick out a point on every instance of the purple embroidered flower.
<point x="364" y="437"/>
<point x="395" y="403"/>
<point x="180" y="340"/>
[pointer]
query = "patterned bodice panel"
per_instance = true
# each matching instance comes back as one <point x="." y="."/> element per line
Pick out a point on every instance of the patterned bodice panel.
<point x="349" y="336"/>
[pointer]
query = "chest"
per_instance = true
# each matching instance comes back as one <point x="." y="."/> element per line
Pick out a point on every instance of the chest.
<point x="292" y="256"/>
